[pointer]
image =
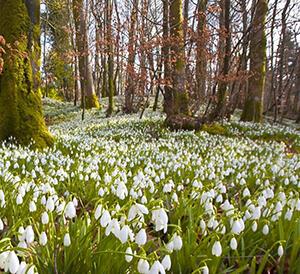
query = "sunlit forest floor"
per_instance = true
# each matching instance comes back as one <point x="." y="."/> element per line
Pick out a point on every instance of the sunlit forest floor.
<point x="126" y="195"/>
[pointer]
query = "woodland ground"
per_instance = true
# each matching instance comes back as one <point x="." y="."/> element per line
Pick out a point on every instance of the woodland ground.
<point x="124" y="195"/>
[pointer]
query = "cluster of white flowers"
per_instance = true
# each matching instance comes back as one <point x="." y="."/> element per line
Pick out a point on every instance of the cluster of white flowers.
<point x="135" y="181"/>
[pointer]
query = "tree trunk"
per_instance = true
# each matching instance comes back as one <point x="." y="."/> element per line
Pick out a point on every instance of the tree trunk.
<point x="222" y="93"/>
<point x="253" y="109"/>
<point x="20" y="103"/>
<point x="89" y="98"/>
<point x="130" y="85"/>
<point x="178" y="101"/>
<point x="110" y="59"/>
<point x="201" y="61"/>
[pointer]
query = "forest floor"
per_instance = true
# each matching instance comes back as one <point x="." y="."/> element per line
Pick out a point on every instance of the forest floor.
<point x="126" y="195"/>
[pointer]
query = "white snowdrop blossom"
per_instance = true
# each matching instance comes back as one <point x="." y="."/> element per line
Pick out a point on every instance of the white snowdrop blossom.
<point x="157" y="268"/>
<point x="205" y="270"/>
<point x="45" y="218"/>
<point x="43" y="239"/>
<point x="280" y="251"/>
<point x="98" y="212"/>
<point x="143" y="266"/>
<point x="13" y="262"/>
<point x="177" y="242"/>
<point x="160" y="219"/>
<point x="233" y="243"/>
<point x="141" y="237"/>
<point x="29" y="234"/>
<point x="67" y="240"/>
<point x="166" y="262"/>
<point x="217" y="249"/>
<point x="128" y="257"/>
<point x="50" y="204"/>
<point x="266" y="229"/>
<point x="70" y="210"/>
<point x="105" y="218"/>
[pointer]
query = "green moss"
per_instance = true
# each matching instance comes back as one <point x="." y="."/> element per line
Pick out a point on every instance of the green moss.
<point x="91" y="101"/>
<point x="215" y="129"/>
<point x="182" y="102"/>
<point x="20" y="103"/>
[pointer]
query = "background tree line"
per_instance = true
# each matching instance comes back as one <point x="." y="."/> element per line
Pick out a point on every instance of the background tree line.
<point x="204" y="58"/>
<point x="223" y="54"/>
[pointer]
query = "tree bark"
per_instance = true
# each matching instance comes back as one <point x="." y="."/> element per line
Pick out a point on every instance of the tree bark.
<point x="89" y="98"/>
<point x="177" y="101"/>
<point x="130" y="85"/>
<point x="253" y="109"/>
<point x="110" y="59"/>
<point x="21" y="114"/>
<point x="201" y="60"/>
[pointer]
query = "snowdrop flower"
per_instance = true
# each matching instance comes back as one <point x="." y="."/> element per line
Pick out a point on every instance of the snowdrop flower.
<point x="29" y="234"/>
<point x="98" y="212"/>
<point x="32" y="206"/>
<point x="43" y="239"/>
<point x="113" y="227"/>
<point x="228" y="208"/>
<point x="19" y="199"/>
<point x="256" y="213"/>
<point x="22" y="268"/>
<point x="22" y="244"/>
<point x="124" y="233"/>
<point x="105" y="219"/>
<point x="157" y="268"/>
<point x="141" y="237"/>
<point x="143" y="266"/>
<point x="254" y="226"/>
<point x="45" y="218"/>
<point x="205" y="270"/>
<point x="128" y="258"/>
<point x="13" y="262"/>
<point x="3" y="259"/>
<point x="265" y="229"/>
<point x="70" y="211"/>
<point x="67" y="240"/>
<point x="137" y="209"/>
<point x="1" y="225"/>
<point x="170" y="246"/>
<point x="288" y="215"/>
<point x="60" y="207"/>
<point x="246" y="192"/>
<point x="101" y="192"/>
<point x="166" y="262"/>
<point x="233" y="244"/>
<point x="30" y="270"/>
<point x="50" y="204"/>
<point x="21" y="233"/>
<point x="175" y="198"/>
<point x="122" y="191"/>
<point x="177" y="242"/>
<point x="237" y="226"/>
<point x="160" y="218"/>
<point x="280" y="251"/>
<point x="217" y="249"/>
<point x="43" y="200"/>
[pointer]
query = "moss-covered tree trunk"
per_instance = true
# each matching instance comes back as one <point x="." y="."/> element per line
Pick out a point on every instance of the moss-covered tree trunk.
<point x="177" y="101"/>
<point x="253" y="109"/>
<point x="20" y="99"/>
